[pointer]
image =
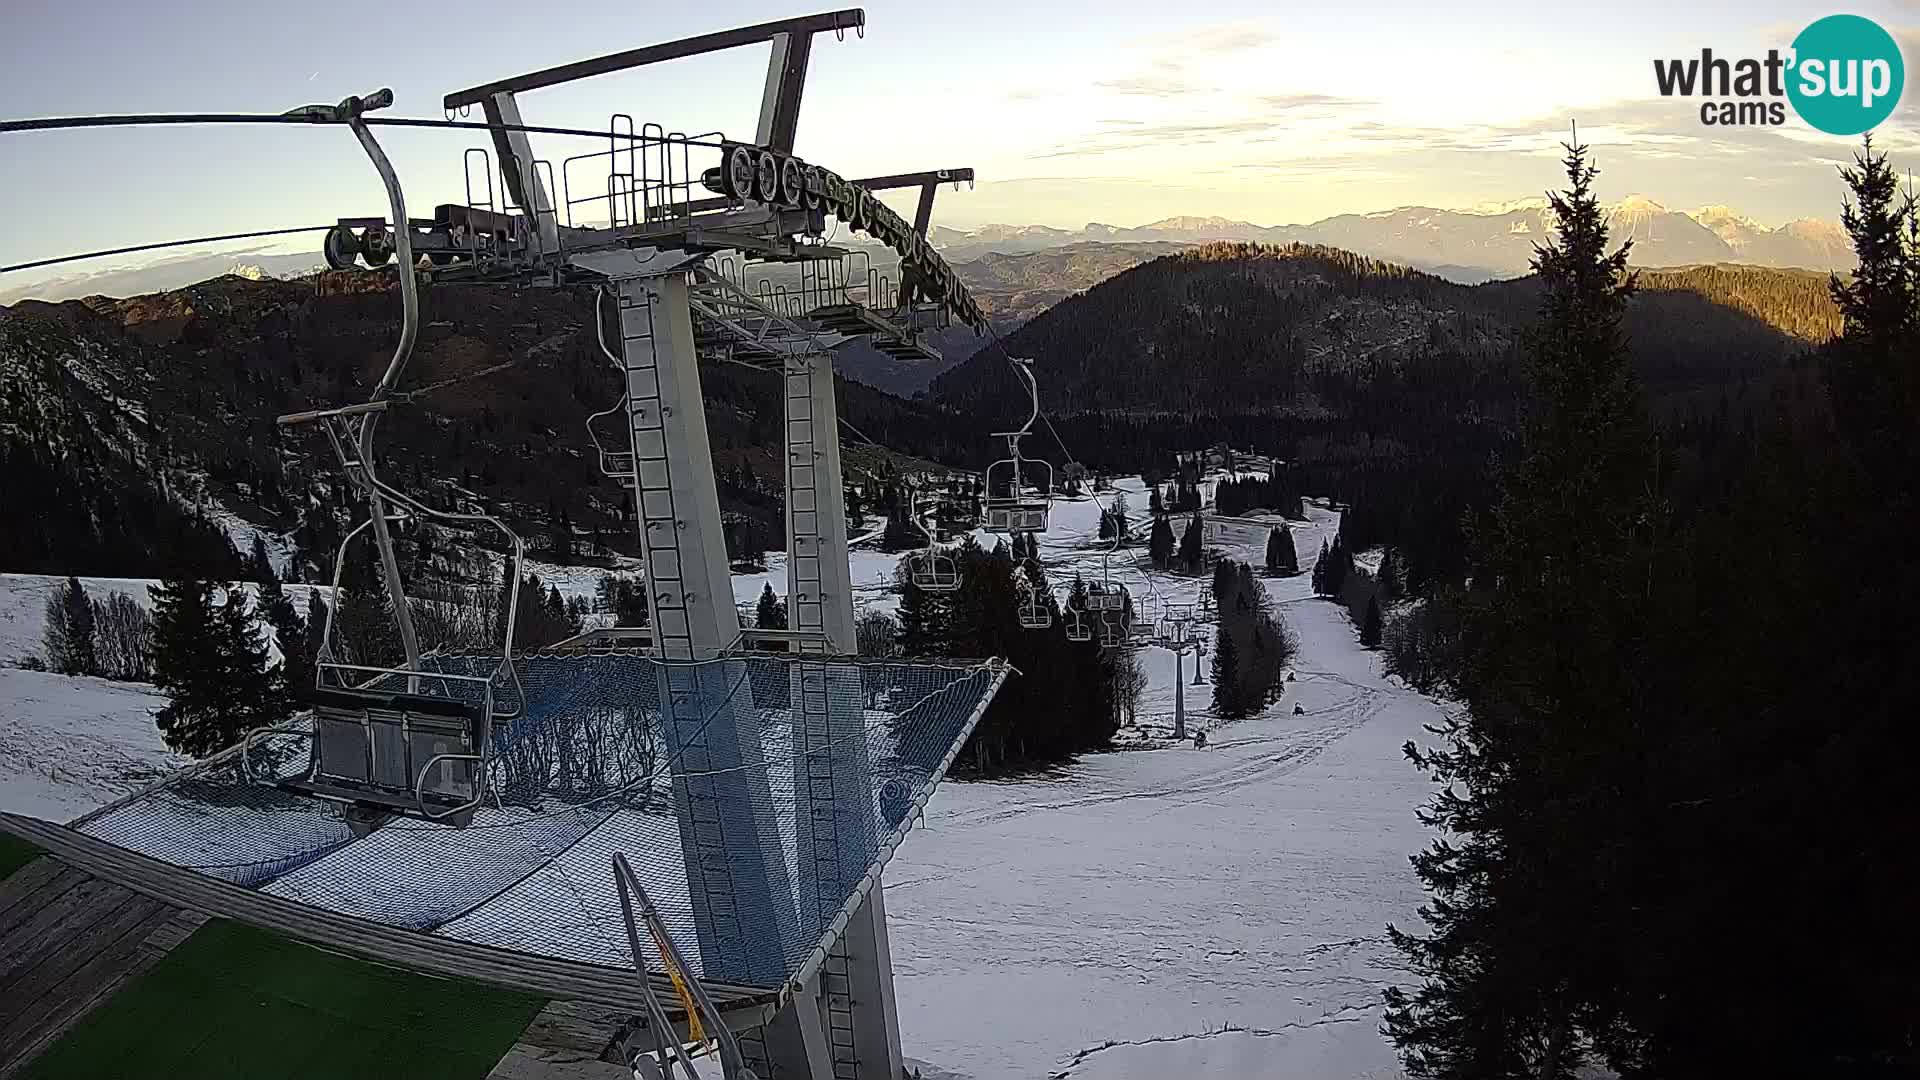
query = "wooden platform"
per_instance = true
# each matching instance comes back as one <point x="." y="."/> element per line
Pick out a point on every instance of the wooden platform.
<point x="83" y="921"/>
<point x="68" y="940"/>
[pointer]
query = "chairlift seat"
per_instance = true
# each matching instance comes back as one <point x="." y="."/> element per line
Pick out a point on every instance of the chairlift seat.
<point x="1077" y="628"/>
<point x="935" y="573"/>
<point x="1011" y="516"/>
<point x="370" y="749"/>
<point x="1035" y="617"/>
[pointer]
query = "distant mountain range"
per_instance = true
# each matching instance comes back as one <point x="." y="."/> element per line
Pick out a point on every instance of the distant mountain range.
<point x="1230" y="328"/>
<point x="1468" y="246"/>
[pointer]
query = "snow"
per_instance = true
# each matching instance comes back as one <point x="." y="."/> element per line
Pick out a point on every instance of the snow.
<point x="1146" y="900"/>
<point x="1172" y="912"/>
<point x="23" y="608"/>
<point x="70" y="744"/>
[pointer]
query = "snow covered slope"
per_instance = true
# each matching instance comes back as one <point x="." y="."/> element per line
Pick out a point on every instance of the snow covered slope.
<point x="1108" y="923"/>
<point x="69" y="744"/>
<point x="1166" y="913"/>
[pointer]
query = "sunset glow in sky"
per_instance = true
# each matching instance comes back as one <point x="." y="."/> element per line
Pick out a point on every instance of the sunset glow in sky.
<point x="1123" y="112"/>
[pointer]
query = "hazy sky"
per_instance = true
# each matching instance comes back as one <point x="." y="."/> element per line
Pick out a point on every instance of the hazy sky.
<point x="1122" y="112"/>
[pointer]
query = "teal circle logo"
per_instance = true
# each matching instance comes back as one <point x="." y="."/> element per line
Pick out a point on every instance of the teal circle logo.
<point x="1847" y="74"/>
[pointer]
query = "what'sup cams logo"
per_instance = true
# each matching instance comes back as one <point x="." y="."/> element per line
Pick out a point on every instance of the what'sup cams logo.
<point x="1843" y="75"/>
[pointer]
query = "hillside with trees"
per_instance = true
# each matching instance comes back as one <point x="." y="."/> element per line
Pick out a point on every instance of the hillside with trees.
<point x="1676" y="804"/>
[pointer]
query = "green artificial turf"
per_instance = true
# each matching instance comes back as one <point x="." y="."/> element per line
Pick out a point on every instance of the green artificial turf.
<point x="15" y="853"/>
<point x="233" y="1001"/>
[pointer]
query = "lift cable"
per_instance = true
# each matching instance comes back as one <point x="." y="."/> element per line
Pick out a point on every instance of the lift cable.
<point x="162" y="244"/>
<point x="57" y="123"/>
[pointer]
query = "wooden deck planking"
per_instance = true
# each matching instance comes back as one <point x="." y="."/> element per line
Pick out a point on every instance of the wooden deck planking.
<point x="27" y="884"/>
<point x="44" y="1019"/>
<point x="61" y="923"/>
<point x="566" y="1041"/>
<point x="67" y="941"/>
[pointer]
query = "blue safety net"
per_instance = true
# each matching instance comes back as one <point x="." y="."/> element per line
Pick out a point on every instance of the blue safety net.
<point x="752" y="796"/>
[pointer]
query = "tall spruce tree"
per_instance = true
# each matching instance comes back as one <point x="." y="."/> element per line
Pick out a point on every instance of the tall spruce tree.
<point x="290" y="634"/>
<point x="1191" y="555"/>
<point x="1388" y="579"/>
<point x="69" y="632"/>
<point x="771" y="612"/>
<point x="1537" y="779"/>
<point x="1370" y="624"/>
<point x="209" y="660"/>
<point x="1160" y="542"/>
<point x="1229" y="700"/>
<point x="259" y="566"/>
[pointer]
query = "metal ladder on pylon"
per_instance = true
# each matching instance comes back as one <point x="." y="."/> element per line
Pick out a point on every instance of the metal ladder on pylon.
<point x="836" y="992"/>
<point x="836" y="984"/>
<point x="803" y="562"/>
<point x="652" y="471"/>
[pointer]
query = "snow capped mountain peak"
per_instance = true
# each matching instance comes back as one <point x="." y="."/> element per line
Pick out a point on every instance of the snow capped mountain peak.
<point x="1503" y="207"/>
<point x="1715" y="216"/>
<point x="1637" y="204"/>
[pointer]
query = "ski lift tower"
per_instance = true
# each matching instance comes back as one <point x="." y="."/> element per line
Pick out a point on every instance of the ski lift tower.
<point x="670" y="227"/>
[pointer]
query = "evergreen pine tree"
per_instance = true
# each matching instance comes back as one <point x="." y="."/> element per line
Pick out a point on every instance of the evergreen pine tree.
<point x="1338" y="562"/>
<point x="69" y="632"/>
<point x="1281" y="560"/>
<point x="210" y="662"/>
<point x="1871" y="374"/>
<point x="771" y="613"/>
<point x="1191" y="555"/>
<point x="1320" y="567"/>
<point x="290" y="634"/>
<point x="1518" y="972"/>
<point x="1160" y="542"/>
<point x="1370" y="626"/>
<point x="1228" y="702"/>
<point x="1388" y="579"/>
<point x="259" y="566"/>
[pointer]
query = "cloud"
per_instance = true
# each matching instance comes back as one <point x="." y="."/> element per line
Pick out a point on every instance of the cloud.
<point x="1137" y="135"/>
<point x="1313" y="102"/>
<point x="1220" y="38"/>
<point x="1157" y="86"/>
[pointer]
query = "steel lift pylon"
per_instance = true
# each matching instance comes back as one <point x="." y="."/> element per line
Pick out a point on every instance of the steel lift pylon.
<point x="673" y="310"/>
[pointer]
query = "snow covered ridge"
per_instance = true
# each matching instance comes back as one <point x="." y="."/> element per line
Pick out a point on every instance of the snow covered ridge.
<point x="23" y="606"/>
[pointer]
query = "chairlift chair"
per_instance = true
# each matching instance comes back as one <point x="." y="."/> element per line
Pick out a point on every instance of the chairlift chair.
<point x="1079" y="627"/>
<point x="1032" y="609"/>
<point x="931" y="569"/>
<point x="399" y="741"/>
<point x="1009" y="507"/>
